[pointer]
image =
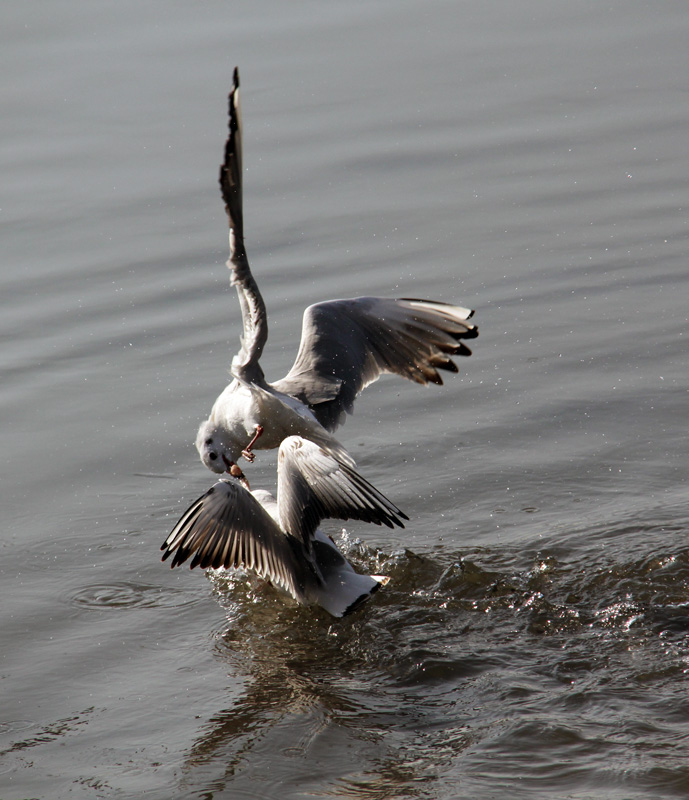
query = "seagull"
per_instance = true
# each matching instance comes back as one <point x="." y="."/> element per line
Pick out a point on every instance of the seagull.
<point x="280" y="541"/>
<point x="345" y="346"/>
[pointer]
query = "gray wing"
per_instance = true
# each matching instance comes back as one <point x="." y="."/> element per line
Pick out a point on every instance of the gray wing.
<point x="254" y="318"/>
<point x="227" y="527"/>
<point x="348" y="344"/>
<point x="313" y="485"/>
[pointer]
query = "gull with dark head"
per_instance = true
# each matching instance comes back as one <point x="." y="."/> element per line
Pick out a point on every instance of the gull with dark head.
<point x="345" y="346"/>
<point x="280" y="541"/>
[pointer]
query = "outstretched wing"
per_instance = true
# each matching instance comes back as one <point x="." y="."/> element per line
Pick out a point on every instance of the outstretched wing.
<point x="348" y="344"/>
<point x="254" y="319"/>
<point x="227" y="527"/>
<point x="313" y="485"/>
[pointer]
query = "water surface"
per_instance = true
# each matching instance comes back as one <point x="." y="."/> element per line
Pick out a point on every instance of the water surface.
<point x="528" y="160"/>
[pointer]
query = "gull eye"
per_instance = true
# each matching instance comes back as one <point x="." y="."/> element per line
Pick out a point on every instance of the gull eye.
<point x="209" y="441"/>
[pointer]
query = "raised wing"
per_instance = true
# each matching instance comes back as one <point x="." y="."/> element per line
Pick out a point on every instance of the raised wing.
<point x="227" y="527"/>
<point x="313" y="486"/>
<point x="254" y="319"/>
<point x="348" y="344"/>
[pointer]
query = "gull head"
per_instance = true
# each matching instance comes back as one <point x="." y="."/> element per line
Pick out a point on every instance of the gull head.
<point x="217" y="449"/>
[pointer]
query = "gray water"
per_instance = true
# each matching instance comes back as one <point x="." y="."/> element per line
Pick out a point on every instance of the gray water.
<point x="527" y="159"/>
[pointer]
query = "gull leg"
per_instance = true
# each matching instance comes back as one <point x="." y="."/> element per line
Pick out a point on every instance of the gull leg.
<point x="246" y="452"/>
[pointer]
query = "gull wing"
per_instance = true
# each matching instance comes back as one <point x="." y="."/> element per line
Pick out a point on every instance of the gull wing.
<point x="313" y="485"/>
<point x="227" y="527"/>
<point x="347" y="344"/>
<point x="254" y="318"/>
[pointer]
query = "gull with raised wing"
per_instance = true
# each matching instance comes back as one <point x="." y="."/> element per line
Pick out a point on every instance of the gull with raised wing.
<point x="345" y="346"/>
<point x="280" y="541"/>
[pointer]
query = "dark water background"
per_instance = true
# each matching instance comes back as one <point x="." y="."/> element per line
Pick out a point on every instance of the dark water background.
<point x="528" y="159"/>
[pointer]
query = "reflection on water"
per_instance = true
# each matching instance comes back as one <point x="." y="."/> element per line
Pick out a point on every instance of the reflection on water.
<point x="431" y="680"/>
<point x="312" y="684"/>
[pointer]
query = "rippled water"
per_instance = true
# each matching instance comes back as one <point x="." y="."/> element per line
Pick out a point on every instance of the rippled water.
<point x="528" y="160"/>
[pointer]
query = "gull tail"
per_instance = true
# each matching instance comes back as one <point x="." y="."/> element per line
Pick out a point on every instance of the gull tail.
<point x="343" y="589"/>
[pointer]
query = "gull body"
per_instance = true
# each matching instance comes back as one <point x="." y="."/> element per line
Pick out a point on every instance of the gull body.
<point x="242" y="409"/>
<point x="280" y="539"/>
<point x="345" y="346"/>
<point x="341" y="589"/>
